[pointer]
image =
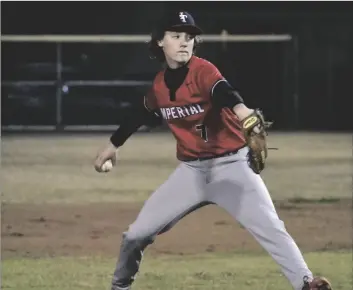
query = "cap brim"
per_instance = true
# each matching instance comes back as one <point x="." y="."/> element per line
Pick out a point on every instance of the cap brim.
<point x="192" y="29"/>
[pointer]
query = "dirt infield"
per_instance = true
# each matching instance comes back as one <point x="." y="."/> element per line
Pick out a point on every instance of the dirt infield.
<point x="51" y="230"/>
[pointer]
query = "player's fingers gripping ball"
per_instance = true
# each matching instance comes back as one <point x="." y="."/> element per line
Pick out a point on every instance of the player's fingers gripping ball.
<point x="107" y="166"/>
<point x="254" y="129"/>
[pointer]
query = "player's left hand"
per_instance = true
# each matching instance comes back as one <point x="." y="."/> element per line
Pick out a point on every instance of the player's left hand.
<point x="254" y="129"/>
<point x="107" y="153"/>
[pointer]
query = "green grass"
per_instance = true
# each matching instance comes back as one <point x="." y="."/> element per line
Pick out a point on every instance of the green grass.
<point x="232" y="271"/>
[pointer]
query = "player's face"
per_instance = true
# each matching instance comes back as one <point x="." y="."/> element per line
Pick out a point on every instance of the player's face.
<point x="177" y="47"/>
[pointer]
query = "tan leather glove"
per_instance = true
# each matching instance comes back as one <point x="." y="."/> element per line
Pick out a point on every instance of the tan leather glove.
<point x="254" y="130"/>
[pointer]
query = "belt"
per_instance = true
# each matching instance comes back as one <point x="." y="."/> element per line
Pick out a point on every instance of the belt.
<point x="213" y="156"/>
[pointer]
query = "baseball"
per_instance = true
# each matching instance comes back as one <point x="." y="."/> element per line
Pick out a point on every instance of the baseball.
<point x="107" y="166"/>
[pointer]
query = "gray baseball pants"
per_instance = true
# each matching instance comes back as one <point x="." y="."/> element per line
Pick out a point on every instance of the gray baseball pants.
<point x="227" y="182"/>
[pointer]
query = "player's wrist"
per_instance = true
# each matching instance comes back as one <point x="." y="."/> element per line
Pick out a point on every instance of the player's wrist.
<point x="242" y="111"/>
<point x="112" y="145"/>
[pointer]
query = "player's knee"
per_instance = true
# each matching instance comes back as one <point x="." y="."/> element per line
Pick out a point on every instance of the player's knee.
<point x="272" y="223"/>
<point x="133" y="235"/>
<point x="277" y="227"/>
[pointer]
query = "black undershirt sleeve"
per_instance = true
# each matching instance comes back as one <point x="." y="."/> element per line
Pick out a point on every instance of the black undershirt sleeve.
<point x="134" y="119"/>
<point x="225" y="96"/>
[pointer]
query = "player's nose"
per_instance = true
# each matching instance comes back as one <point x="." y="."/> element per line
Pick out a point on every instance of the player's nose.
<point x="183" y="41"/>
<point x="184" y="45"/>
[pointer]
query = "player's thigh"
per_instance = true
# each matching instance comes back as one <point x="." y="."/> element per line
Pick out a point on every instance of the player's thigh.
<point x="241" y="192"/>
<point x="181" y="192"/>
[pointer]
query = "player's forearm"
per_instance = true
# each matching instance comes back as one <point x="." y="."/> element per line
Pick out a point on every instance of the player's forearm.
<point x="124" y="132"/>
<point x="137" y="117"/>
<point x="224" y="95"/>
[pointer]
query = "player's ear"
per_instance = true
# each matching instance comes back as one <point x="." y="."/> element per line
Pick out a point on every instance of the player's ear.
<point x="160" y="43"/>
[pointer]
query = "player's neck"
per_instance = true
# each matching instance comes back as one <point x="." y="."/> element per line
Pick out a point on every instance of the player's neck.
<point x="173" y="65"/>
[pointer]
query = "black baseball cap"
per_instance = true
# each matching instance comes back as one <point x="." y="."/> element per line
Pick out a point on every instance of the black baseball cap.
<point x="180" y="21"/>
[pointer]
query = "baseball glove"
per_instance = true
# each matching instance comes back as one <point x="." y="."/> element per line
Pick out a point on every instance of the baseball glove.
<point x="254" y="130"/>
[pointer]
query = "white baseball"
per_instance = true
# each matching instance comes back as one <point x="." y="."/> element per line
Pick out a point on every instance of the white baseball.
<point x="107" y="166"/>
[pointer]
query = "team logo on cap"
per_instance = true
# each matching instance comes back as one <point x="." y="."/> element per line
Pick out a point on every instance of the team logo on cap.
<point x="183" y="17"/>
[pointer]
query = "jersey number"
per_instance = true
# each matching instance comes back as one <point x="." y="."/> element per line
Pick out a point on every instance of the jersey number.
<point x="203" y="129"/>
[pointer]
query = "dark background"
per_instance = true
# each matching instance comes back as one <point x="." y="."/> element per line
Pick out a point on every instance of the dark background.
<point x="304" y="84"/>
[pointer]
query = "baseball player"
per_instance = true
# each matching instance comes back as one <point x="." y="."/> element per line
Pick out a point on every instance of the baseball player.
<point x="221" y="146"/>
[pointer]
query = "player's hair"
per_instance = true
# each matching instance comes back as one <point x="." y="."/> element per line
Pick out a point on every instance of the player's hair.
<point x="156" y="52"/>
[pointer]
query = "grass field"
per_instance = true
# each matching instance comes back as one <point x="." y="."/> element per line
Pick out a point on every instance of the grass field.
<point x="200" y="272"/>
<point x="61" y="221"/>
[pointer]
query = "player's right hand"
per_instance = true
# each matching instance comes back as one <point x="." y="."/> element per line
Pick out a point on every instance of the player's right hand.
<point x="107" y="153"/>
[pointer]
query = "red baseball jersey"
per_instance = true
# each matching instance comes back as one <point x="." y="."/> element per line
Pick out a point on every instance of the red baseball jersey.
<point x="198" y="130"/>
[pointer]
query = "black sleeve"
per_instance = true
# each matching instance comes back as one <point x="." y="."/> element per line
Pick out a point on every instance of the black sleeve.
<point x="132" y="121"/>
<point x="224" y="95"/>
